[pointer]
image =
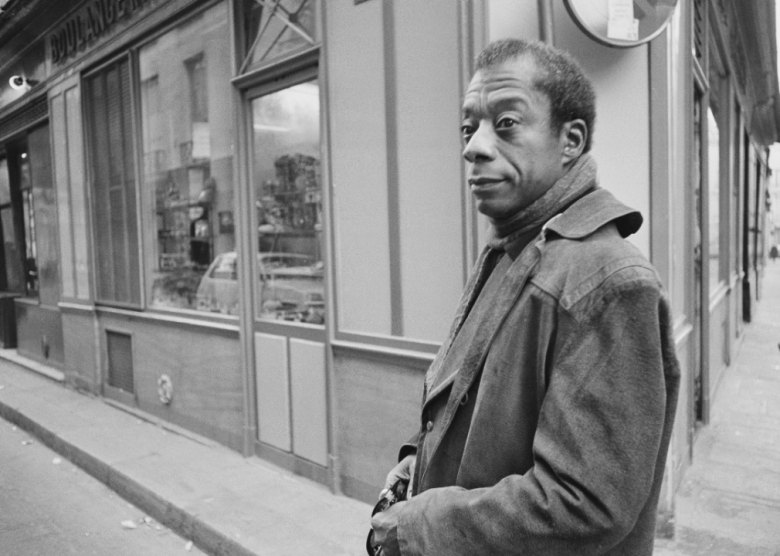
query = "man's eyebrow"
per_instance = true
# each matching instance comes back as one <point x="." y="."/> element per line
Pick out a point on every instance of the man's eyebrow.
<point x="506" y="98"/>
<point x="497" y="101"/>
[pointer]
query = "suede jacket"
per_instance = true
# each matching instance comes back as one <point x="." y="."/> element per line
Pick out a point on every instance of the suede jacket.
<point x="550" y="435"/>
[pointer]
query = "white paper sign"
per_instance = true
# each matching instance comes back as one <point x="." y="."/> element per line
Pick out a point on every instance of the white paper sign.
<point x="622" y="25"/>
<point x="623" y="29"/>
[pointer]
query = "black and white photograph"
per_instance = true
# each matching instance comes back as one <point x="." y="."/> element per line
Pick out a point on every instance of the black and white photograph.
<point x="390" y="277"/>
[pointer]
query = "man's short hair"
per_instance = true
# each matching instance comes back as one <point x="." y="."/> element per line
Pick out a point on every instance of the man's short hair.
<point x="561" y="78"/>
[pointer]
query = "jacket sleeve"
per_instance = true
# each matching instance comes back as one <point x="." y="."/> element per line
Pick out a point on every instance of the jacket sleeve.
<point x="596" y="450"/>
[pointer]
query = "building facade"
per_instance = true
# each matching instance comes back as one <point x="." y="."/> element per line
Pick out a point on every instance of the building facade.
<point x="249" y="218"/>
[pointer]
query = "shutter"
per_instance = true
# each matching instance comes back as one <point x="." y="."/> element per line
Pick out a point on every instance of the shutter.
<point x="113" y="184"/>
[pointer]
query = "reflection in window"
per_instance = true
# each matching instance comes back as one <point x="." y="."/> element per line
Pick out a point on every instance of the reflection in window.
<point x="713" y="185"/>
<point x="288" y="199"/>
<point x="13" y="279"/>
<point x="28" y="218"/>
<point x="187" y="158"/>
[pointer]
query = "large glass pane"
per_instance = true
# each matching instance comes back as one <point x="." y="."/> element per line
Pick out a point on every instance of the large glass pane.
<point x="28" y="218"/>
<point x="5" y="183"/>
<point x="47" y="255"/>
<point x="13" y="259"/>
<point x="288" y="199"/>
<point x="713" y="185"/>
<point x="188" y="161"/>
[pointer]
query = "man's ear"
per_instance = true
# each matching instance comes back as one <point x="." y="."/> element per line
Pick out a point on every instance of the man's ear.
<point x="574" y="135"/>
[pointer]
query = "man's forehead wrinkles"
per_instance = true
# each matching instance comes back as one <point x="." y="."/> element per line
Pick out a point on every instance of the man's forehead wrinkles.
<point x="486" y="100"/>
<point x="497" y="83"/>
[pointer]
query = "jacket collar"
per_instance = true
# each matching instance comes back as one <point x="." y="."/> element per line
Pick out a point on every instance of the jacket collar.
<point x="593" y="211"/>
<point x="587" y="214"/>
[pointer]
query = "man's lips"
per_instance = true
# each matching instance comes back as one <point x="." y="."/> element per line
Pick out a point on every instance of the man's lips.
<point x="484" y="181"/>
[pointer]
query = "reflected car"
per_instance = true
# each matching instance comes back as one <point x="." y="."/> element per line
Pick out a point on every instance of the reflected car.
<point x="290" y="287"/>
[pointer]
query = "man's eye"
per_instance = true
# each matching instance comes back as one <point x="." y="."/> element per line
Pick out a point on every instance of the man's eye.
<point x="466" y="130"/>
<point x="505" y="123"/>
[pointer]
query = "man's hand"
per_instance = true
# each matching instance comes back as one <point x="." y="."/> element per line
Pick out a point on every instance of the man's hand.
<point x="385" y="525"/>
<point x="404" y="470"/>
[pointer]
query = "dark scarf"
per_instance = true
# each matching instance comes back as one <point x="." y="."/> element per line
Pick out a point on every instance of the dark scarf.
<point x="580" y="178"/>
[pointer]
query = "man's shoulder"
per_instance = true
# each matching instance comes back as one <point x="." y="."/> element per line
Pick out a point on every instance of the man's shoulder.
<point x="572" y="269"/>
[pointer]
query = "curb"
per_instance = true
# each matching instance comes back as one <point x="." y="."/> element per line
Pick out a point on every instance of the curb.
<point x="204" y="536"/>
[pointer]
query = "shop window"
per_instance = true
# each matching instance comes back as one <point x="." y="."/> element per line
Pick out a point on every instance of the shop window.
<point x="713" y="196"/>
<point x="13" y="278"/>
<point x="188" y="160"/>
<point x="42" y="236"/>
<point x="286" y="177"/>
<point x="109" y="106"/>
<point x="276" y="28"/>
<point x="28" y="225"/>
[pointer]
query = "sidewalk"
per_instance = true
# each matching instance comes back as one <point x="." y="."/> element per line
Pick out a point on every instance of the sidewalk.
<point x="728" y="504"/>
<point x="729" y="501"/>
<point x="225" y="503"/>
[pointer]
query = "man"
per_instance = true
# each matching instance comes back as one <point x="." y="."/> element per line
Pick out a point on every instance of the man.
<point x="548" y="410"/>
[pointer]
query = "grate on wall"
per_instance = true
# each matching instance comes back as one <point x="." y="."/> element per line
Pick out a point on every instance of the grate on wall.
<point x="120" y="361"/>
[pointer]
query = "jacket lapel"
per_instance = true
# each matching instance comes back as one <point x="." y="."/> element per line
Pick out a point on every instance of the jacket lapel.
<point x="512" y="285"/>
<point x="482" y="269"/>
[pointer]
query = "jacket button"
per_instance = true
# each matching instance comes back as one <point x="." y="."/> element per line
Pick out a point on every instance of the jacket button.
<point x="429" y="426"/>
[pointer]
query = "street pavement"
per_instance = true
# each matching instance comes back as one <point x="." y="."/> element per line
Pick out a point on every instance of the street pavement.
<point x="49" y="506"/>
<point x="728" y="504"/>
<point x="729" y="501"/>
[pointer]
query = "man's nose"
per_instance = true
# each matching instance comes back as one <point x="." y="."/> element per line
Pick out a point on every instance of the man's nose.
<point x="481" y="145"/>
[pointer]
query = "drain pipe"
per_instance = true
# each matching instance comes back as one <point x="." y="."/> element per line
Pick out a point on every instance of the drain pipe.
<point x="545" y="21"/>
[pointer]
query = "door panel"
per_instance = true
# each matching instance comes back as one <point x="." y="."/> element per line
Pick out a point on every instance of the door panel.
<point x="273" y="391"/>
<point x="309" y="410"/>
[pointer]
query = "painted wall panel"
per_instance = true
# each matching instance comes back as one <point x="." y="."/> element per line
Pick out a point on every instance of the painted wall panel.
<point x="39" y="332"/>
<point x="78" y="334"/>
<point x="356" y="92"/>
<point x="77" y="191"/>
<point x="679" y="92"/>
<point x="430" y="182"/>
<point x="62" y="185"/>
<point x="513" y="19"/>
<point x="718" y="343"/>
<point x="309" y="400"/>
<point x="273" y="390"/>
<point x="379" y="409"/>
<point x="204" y="366"/>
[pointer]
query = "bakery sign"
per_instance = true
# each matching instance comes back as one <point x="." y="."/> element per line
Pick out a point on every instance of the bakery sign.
<point x="93" y="20"/>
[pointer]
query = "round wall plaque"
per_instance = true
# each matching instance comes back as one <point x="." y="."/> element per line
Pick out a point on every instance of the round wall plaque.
<point x="621" y="23"/>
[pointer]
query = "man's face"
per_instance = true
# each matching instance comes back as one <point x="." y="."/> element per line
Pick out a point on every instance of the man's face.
<point x="514" y="156"/>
